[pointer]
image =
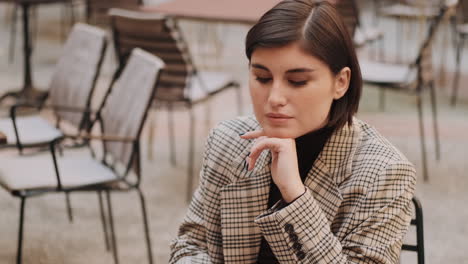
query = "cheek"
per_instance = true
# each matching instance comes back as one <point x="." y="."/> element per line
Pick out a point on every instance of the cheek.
<point x="257" y="94"/>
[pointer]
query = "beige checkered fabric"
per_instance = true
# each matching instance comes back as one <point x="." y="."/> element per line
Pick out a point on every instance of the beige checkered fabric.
<point x="356" y="209"/>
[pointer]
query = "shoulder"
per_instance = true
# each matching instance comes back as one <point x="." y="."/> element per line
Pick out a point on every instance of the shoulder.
<point x="376" y="158"/>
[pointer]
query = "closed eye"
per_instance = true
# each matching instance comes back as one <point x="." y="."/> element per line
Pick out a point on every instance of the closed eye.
<point x="297" y="83"/>
<point x="263" y="80"/>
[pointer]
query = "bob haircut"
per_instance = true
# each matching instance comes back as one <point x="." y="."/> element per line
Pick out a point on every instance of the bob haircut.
<point x="320" y="31"/>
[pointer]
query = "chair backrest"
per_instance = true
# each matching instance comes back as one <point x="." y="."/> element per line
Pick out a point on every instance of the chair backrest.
<point x="349" y="11"/>
<point x="424" y="59"/>
<point x="76" y="72"/>
<point x="417" y="222"/>
<point x="97" y="10"/>
<point x="125" y="108"/>
<point x="160" y="36"/>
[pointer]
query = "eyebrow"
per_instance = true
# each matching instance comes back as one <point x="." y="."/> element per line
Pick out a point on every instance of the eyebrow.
<point x="297" y="70"/>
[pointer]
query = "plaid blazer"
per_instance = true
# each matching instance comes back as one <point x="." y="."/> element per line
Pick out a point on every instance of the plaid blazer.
<point x="356" y="208"/>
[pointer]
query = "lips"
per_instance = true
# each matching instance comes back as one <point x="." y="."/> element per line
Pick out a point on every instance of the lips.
<point x="278" y="116"/>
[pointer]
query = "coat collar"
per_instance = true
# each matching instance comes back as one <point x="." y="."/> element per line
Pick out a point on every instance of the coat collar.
<point x="251" y="190"/>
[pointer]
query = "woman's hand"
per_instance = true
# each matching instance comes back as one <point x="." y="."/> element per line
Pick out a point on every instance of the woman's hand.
<point x="284" y="168"/>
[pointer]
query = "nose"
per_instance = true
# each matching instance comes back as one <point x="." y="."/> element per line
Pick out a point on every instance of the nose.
<point x="277" y="96"/>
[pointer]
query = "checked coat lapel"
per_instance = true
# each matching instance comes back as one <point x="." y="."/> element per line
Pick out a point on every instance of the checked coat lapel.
<point x="243" y="200"/>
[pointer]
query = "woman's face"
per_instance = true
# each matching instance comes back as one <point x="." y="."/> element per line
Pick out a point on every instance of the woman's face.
<point x="292" y="91"/>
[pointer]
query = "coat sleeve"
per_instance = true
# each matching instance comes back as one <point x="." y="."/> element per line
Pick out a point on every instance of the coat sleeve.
<point x="376" y="229"/>
<point x="190" y="245"/>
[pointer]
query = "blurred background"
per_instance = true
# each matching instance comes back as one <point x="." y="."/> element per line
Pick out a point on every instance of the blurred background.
<point x="215" y="42"/>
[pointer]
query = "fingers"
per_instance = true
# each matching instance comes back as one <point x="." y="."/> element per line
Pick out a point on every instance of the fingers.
<point x="253" y="134"/>
<point x="261" y="144"/>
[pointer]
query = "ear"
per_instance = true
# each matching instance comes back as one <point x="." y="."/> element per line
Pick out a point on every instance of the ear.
<point x="342" y="80"/>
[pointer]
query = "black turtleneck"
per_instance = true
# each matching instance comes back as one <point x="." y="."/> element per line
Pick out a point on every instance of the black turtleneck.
<point x="308" y="147"/>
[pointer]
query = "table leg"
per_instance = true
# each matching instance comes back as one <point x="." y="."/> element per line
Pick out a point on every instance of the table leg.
<point x="28" y="93"/>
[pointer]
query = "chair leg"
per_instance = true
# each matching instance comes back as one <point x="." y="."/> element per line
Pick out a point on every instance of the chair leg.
<point x="419" y="230"/>
<point x="434" y="121"/>
<point x="112" y="230"/>
<point x="172" y="146"/>
<point x="423" y="140"/>
<point x="456" y="78"/>
<point x="146" y="226"/>
<point x="191" y="155"/>
<point x="103" y="221"/>
<point x="69" y="208"/>
<point x="19" y="253"/>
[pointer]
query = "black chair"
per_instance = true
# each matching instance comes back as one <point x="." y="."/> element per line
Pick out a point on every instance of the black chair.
<point x="417" y="221"/>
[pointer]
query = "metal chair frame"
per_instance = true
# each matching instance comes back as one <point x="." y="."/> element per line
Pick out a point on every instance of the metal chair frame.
<point x="418" y="222"/>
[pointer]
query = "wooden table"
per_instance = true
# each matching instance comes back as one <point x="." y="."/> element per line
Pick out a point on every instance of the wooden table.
<point x="229" y="11"/>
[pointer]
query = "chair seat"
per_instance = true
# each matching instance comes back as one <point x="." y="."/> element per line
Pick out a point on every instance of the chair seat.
<point x="387" y="73"/>
<point x="206" y="84"/>
<point x="31" y="130"/>
<point x="35" y="172"/>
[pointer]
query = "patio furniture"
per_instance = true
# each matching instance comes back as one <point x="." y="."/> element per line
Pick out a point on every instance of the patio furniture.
<point x="97" y="10"/>
<point x="361" y="35"/>
<point x="226" y="11"/>
<point x="28" y="93"/>
<point x="121" y="120"/>
<point x="461" y="31"/>
<point x="418" y="223"/>
<point x="67" y="12"/>
<point x="414" y="78"/>
<point x="70" y="92"/>
<point x="181" y="83"/>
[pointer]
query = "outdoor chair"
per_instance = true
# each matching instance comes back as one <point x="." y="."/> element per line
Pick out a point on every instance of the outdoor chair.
<point x="97" y="11"/>
<point x="417" y="222"/>
<point x="407" y="12"/>
<point x="70" y="92"/>
<point x="460" y="26"/>
<point x="414" y="78"/>
<point x="120" y="120"/>
<point x="349" y="11"/>
<point x="181" y="84"/>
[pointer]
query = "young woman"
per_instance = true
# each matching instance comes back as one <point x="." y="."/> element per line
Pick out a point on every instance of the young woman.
<point x="304" y="181"/>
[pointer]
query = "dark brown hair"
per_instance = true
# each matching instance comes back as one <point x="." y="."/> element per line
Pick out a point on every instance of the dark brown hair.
<point x="321" y="32"/>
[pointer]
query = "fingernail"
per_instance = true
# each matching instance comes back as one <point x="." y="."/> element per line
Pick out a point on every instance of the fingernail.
<point x="241" y="134"/>
<point x="245" y="165"/>
<point x="248" y="154"/>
